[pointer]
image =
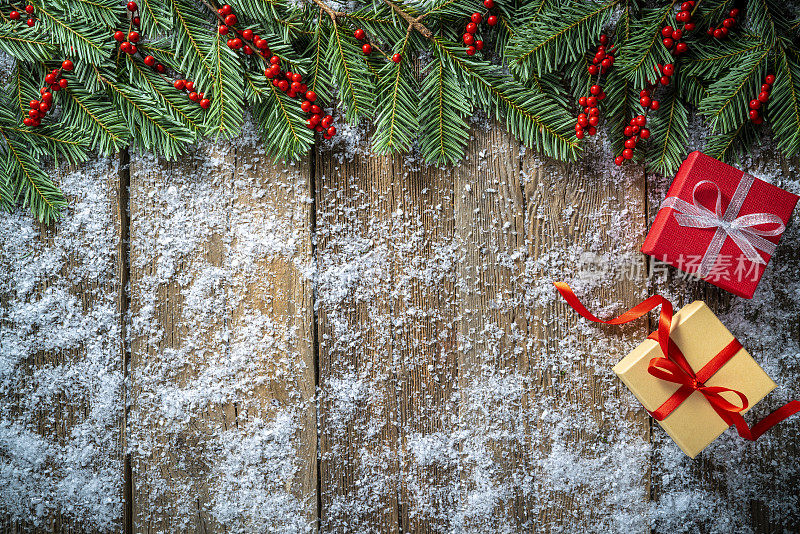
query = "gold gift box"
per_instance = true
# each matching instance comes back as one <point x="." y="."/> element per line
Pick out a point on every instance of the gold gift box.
<point x="700" y="336"/>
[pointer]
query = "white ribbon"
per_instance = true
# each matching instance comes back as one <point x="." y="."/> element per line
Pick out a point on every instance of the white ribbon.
<point x="740" y="229"/>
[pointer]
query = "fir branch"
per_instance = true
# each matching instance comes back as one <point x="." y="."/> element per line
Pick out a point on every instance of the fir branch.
<point x="227" y="95"/>
<point x="26" y="44"/>
<point x="730" y="146"/>
<point x="29" y="183"/>
<point x="154" y="17"/>
<point x="444" y="134"/>
<point x="96" y="118"/>
<point x="190" y="30"/>
<point x="644" y="50"/>
<point x="281" y="124"/>
<point x="89" y="42"/>
<point x="346" y="62"/>
<point x="396" y="121"/>
<point x="534" y="118"/>
<point x="556" y="36"/>
<point x="713" y="59"/>
<point x="726" y="107"/>
<point x="783" y="109"/>
<point x="670" y="135"/>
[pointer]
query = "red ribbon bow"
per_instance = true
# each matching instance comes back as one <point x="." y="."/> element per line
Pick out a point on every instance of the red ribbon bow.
<point x="673" y="367"/>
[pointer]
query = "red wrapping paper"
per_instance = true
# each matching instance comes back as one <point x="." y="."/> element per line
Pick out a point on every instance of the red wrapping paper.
<point x="682" y="247"/>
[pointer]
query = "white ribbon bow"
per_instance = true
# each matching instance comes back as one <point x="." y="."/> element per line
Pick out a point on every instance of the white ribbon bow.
<point x="740" y="229"/>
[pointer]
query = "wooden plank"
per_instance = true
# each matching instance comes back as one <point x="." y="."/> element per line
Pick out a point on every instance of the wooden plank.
<point x="358" y="404"/>
<point x="584" y="224"/>
<point x="222" y="362"/>
<point x="62" y="374"/>
<point x="747" y="486"/>
<point x="387" y="359"/>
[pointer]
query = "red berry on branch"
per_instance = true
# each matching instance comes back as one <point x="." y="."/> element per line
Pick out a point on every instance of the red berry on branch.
<point x="125" y="47"/>
<point x="179" y="84"/>
<point x="619" y="160"/>
<point x="367" y="49"/>
<point x="236" y="43"/>
<point x="63" y="83"/>
<point x="136" y="21"/>
<point x="754" y="114"/>
<point x="758" y="120"/>
<point x="311" y="96"/>
<point x="226" y="9"/>
<point x="583" y="120"/>
<point x="641" y="120"/>
<point x="729" y="23"/>
<point x="472" y="27"/>
<point x="14" y="15"/>
<point x="582" y="101"/>
<point x="205" y="103"/>
<point x="593" y="70"/>
<point x="689" y="26"/>
<point x="247" y="50"/>
<point x="764" y="96"/>
<point x="29" y="9"/>
<point x="755" y="104"/>
<point x="606" y="63"/>
<point x="488" y="4"/>
<point x="468" y="38"/>
<point x="628" y="131"/>
<point x="668" y="69"/>
<point x="668" y="43"/>
<point x="595" y="89"/>
<point x="396" y="58"/>
<point x="47" y="97"/>
<point x="630" y="143"/>
<point x="471" y="50"/>
<point x="770" y="79"/>
<point x="654" y="105"/>
<point x="67" y="65"/>
<point x="664" y="80"/>
<point x="30" y="22"/>
<point x="275" y="60"/>
<point x="133" y="37"/>
<point x="331" y="131"/>
<point x="601" y="96"/>
<point x="247" y="35"/>
<point x="718" y="33"/>
<point x="305" y="106"/>
<point x="222" y="29"/>
<point x="627" y="153"/>
<point x="478" y="44"/>
<point x="476" y="18"/>
<point x="161" y="68"/>
<point x="593" y="112"/>
<point x="579" y="134"/>
<point x="318" y="128"/>
<point x="681" y="48"/>
<point x="644" y="133"/>
<point x="677" y="34"/>
<point x="686" y="6"/>
<point x="190" y="86"/>
<point x="149" y="61"/>
<point x="594" y="121"/>
<point x="604" y="39"/>
<point x="230" y="20"/>
<point x="119" y="36"/>
<point x="591" y="101"/>
<point x="645" y="101"/>
<point x="491" y="20"/>
<point x="27" y="121"/>
<point x="327" y="120"/>
<point x="34" y="104"/>
<point x="359" y="34"/>
<point x="666" y="31"/>
<point x="283" y="85"/>
<point x="132" y="6"/>
<point x="734" y="13"/>
<point x="592" y="130"/>
<point x="194" y="97"/>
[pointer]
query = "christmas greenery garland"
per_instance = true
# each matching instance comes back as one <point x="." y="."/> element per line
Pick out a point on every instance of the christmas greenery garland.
<point x="100" y="75"/>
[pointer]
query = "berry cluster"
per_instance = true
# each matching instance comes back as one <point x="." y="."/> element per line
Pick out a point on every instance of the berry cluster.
<point x="292" y="84"/>
<point x="635" y="131"/>
<point x="473" y="43"/>
<point x="673" y="36"/>
<point x="39" y="108"/>
<point x="590" y="118"/>
<point x="127" y="42"/>
<point x="316" y="121"/>
<point x="15" y="15"/>
<point x="191" y="91"/>
<point x="150" y="61"/>
<point x="722" y="31"/>
<point x="242" y="38"/>
<point x="757" y="104"/>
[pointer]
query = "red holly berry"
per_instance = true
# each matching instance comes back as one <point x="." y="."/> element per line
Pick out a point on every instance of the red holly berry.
<point x="247" y="50"/>
<point x="753" y="113"/>
<point x="133" y="37"/>
<point x="641" y="120"/>
<point x="471" y="50"/>
<point x="478" y="44"/>
<point x="476" y="18"/>
<point x="222" y="29"/>
<point x="275" y="60"/>
<point x="230" y="20"/>
<point x="689" y="26"/>
<point x="604" y="39"/>
<point x="755" y="104"/>
<point x="627" y="153"/>
<point x="226" y="10"/>
<point x="27" y="121"/>
<point x="396" y="58"/>
<point x="734" y="13"/>
<point x="668" y="43"/>
<point x="194" y="97"/>
<point x="594" y="120"/>
<point x="592" y="130"/>
<point x="468" y="39"/>
<point x="668" y="69"/>
<point x="664" y="80"/>
<point x="30" y="22"/>
<point x="729" y="23"/>
<point x="125" y="47"/>
<point x="235" y="43"/>
<point x="758" y="120"/>
<point x="472" y="27"/>
<point x="190" y="86"/>
<point x="283" y="85"/>
<point x="491" y="20"/>
<point x="14" y="15"/>
<point x="247" y="35"/>
<point x="770" y="79"/>
<point x="595" y="89"/>
<point x="630" y="143"/>
<point x="644" y="133"/>
<point x="488" y="4"/>
<point x="645" y="101"/>
<point x="310" y="124"/>
<point x="592" y="70"/>
<point x="67" y="65"/>
<point x="306" y="106"/>
<point x="718" y="33"/>
<point x="63" y="83"/>
<point x="582" y="101"/>
<point x="681" y="48"/>
<point x="591" y="101"/>
<point x="359" y="34"/>
<point x="132" y="6"/>
<point x="367" y="49"/>
<point x="149" y="61"/>
<point x="763" y="96"/>
<point x="119" y="36"/>
<point x="666" y="31"/>
<point x="654" y="105"/>
<point x="179" y="84"/>
<point x="205" y="103"/>
<point x="327" y="120"/>
<point x="29" y="9"/>
<point x="686" y="6"/>
<point x="47" y="97"/>
<point x="136" y="21"/>
<point x="619" y="160"/>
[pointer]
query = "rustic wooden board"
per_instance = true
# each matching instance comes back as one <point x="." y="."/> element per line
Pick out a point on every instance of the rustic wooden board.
<point x="232" y="290"/>
<point x="55" y="408"/>
<point x="574" y="209"/>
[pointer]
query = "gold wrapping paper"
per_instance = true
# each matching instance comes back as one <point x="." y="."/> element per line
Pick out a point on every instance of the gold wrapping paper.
<point x="700" y="336"/>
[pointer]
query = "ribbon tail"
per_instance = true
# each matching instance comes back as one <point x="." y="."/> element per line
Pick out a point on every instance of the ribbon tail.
<point x="757" y="430"/>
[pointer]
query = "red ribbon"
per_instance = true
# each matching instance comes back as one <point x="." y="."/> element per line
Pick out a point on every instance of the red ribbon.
<point x="673" y="367"/>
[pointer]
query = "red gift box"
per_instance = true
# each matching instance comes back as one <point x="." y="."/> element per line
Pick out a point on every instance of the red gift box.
<point x="719" y="224"/>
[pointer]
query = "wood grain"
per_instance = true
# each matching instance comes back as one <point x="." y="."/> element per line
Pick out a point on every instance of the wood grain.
<point x="226" y="334"/>
<point x="55" y="409"/>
